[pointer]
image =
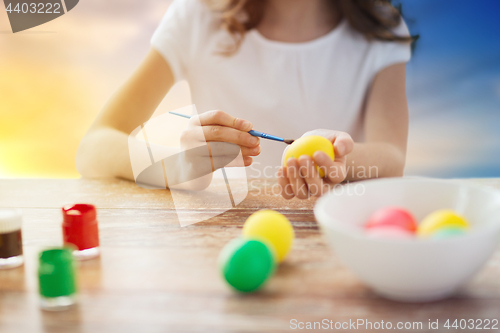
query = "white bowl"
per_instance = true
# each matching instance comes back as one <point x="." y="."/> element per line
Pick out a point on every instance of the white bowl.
<point x="414" y="270"/>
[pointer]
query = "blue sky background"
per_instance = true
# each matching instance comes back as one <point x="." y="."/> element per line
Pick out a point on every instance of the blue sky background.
<point x="454" y="88"/>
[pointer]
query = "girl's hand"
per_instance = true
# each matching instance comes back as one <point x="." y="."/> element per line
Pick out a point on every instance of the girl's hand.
<point x="218" y="126"/>
<point x="212" y="140"/>
<point x="301" y="178"/>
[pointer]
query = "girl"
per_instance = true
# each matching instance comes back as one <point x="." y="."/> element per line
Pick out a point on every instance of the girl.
<point x="334" y="68"/>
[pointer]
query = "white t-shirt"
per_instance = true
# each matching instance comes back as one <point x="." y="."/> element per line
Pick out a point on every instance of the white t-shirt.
<point x="284" y="89"/>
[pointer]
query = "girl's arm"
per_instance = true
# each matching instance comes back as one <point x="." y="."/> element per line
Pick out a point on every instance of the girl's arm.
<point x="103" y="151"/>
<point x="386" y="127"/>
<point x="382" y="154"/>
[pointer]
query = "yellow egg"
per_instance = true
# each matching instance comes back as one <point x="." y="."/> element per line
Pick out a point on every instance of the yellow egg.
<point x="440" y="219"/>
<point x="308" y="145"/>
<point x="272" y="227"/>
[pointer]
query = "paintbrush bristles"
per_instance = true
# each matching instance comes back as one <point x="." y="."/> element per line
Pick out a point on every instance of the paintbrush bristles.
<point x="288" y="141"/>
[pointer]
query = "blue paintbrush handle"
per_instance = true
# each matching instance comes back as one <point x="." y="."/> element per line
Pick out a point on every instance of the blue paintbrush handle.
<point x="180" y="114"/>
<point x="252" y="132"/>
<point x="266" y="136"/>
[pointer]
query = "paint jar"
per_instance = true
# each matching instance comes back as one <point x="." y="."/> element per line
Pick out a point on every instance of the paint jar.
<point x="11" y="241"/>
<point x="80" y="230"/>
<point x="56" y="277"/>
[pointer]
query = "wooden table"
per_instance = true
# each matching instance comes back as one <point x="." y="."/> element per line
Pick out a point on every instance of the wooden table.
<point x="155" y="276"/>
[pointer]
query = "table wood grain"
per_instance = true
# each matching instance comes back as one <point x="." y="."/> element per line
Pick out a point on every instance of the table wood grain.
<point x="155" y="276"/>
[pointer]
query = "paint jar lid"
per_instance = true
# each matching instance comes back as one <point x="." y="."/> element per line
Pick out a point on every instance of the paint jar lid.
<point x="80" y="226"/>
<point x="10" y="220"/>
<point x="79" y="214"/>
<point x="56" y="272"/>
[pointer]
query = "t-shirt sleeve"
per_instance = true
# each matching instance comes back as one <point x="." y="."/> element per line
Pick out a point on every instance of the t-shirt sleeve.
<point x="390" y="53"/>
<point x="173" y="37"/>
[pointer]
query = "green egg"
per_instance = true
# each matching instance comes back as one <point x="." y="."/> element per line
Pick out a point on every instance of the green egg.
<point x="444" y="233"/>
<point x="246" y="264"/>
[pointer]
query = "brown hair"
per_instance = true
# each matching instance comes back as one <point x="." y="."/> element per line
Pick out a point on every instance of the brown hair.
<point x="375" y="19"/>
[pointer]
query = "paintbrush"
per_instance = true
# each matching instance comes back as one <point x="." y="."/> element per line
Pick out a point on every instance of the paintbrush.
<point x="252" y="132"/>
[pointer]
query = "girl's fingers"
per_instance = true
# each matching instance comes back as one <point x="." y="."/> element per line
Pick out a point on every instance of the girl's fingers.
<point x="335" y="172"/>
<point x="231" y="150"/>
<point x="221" y="118"/>
<point x="239" y="161"/>
<point x="255" y="151"/>
<point x="298" y="184"/>
<point x="231" y="135"/>
<point x="342" y="144"/>
<point x="218" y="126"/>
<point x="284" y="183"/>
<point x="310" y="174"/>
<point x="338" y="173"/>
<point x="248" y="160"/>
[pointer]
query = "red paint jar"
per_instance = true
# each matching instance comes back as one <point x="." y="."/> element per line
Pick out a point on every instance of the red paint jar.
<point x="80" y="230"/>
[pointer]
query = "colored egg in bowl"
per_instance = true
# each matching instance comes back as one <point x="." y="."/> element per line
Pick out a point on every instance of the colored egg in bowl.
<point x="416" y="269"/>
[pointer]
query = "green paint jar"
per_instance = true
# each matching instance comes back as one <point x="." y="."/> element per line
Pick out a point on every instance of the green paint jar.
<point x="57" y="278"/>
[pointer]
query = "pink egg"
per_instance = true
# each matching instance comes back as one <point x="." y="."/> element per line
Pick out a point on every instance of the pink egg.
<point x="392" y="216"/>
<point x="389" y="231"/>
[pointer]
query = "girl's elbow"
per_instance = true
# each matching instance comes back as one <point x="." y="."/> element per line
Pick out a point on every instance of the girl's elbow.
<point x="85" y="160"/>
<point x="82" y="161"/>
<point x="399" y="172"/>
<point x="399" y="164"/>
<point x="395" y="161"/>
